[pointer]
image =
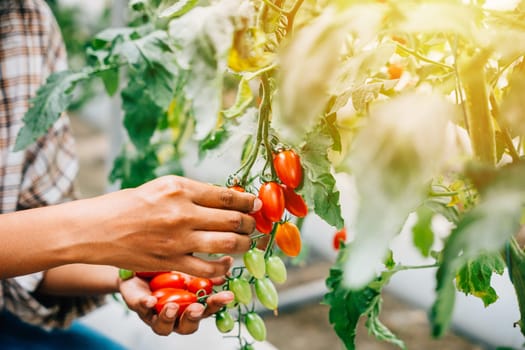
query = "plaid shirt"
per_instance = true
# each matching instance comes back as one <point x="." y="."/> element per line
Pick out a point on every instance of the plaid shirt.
<point x="31" y="48"/>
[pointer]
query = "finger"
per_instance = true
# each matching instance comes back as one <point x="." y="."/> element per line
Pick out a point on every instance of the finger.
<point x="189" y="321"/>
<point x="212" y="242"/>
<point x="204" y="268"/>
<point x="223" y="220"/>
<point x="165" y="322"/>
<point x="222" y="197"/>
<point x="217" y="301"/>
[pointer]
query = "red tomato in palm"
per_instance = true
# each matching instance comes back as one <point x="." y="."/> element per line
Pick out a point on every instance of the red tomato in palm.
<point x="287" y="165"/>
<point x="168" y="280"/>
<point x="339" y="236"/>
<point x="160" y="293"/>
<point x="198" y="283"/>
<point x="272" y="197"/>
<point x="294" y="202"/>
<point x="148" y="274"/>
<point x="288" y="239"/>
<point x="181" y="297"/>
<point x="262" y="224"/>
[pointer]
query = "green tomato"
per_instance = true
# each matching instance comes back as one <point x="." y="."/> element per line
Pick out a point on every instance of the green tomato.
<point x="266" y="293"/>
<point x="255" y="326"/>
<point x="254" y="262"/>
<point x="241" y="288"/>
<point x="276" y="269"/>
<point x="224" y="321"/>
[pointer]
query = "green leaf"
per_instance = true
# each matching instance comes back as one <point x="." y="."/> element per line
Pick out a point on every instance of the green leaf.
<point x="242" y="101"/>
<point x="378" y="329"/>
<point x="141" y="113"/>
<point x="178" y="9"/>
<point x="51" y="100"/>
<point x="133" y="169"/>
<point x="516" y="265"/>
<point x="441" y="311"/>
<point x="423" y="236"/>
<point x="483" y="230"/>
<point x="318" y="187"/>
<point x="212" y="141"/>
<point x="110" y="78"/>
<point x="348" y="306"/>
<point x="474" y="277"/>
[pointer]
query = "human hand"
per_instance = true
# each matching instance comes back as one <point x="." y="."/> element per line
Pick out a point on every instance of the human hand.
<point x="161" y="224"/>
<point x="137" y="295"/>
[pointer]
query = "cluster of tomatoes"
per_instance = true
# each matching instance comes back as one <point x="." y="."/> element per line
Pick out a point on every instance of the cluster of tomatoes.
<point x="176" y="287"/>
<point x="278" y="196"/>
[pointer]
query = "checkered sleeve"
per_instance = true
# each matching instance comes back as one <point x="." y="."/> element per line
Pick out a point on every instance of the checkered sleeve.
<point x="47" y="177"/>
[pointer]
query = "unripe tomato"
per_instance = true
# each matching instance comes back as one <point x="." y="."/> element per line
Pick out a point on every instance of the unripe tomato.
<point x="262" y="224"/>
<point x="294" y="202"/>
<point x="181" y="297"/>
<point x="255" y="326"/>
<point x="254" y="262"/>
<point x="168" y="280"/>
<point x="224" y="321"/>
<point x="288" y="239"/>
<point x="272" y="197"/>
<point x="241" y="288"/>
<point x="266" y="293"/>
<point x="276" y="269"/>
<point x="287" y="165"/>
<point x="339" y="236"/>
<point x="196" y="284"/>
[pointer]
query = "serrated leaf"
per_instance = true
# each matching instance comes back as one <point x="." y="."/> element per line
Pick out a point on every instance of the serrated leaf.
<point x="51" y="100"/>
<point x="141" y="113"/>
<point x="475" y="276"/>
<point x="378" y="329"/>
<point x="423" y="236"/>
<point x="318" y="187"/>
<point x="484" y="229"/>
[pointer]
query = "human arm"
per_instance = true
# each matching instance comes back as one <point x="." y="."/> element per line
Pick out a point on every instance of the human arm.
<point x="156" y="226"/>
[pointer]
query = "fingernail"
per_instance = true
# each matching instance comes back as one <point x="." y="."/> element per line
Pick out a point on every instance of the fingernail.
<point x="257" y="205"/>
<point x="228" y="297"/>
<point x="171" y="312"/>
<point x="195" y="314"/>
<point x="150" y="302"/>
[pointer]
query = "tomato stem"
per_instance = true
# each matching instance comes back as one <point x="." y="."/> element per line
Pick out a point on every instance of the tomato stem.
<point x="269" y="247"/>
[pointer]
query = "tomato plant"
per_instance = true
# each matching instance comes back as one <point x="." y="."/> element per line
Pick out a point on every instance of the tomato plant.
<point x="318" y="109"/>
<point x="255" y="263"/>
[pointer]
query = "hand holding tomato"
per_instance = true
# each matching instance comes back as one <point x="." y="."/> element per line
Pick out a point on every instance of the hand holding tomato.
<point x="139" y="298"/>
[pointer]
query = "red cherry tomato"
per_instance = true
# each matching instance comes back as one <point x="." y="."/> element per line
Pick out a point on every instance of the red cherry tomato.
<point x="338" y="237"/>
<point x="272" y="197"/>
<point x="287" y="165"/>
<point x="198" y="283"/>
<point x="168" y="280"/>
<point x="148" y="274"/>
<point x="288" y="239"/>
<point x="160" y="293"/>
<point x="395" y="70"/>
<point x="182" y="298"/>
<point x="262" y="224"/>
<point x="294" y="202"/>
<point x="237" y="188"/>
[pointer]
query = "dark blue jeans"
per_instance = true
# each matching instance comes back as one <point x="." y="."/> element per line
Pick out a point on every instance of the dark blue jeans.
<point x="18" y="335"/>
